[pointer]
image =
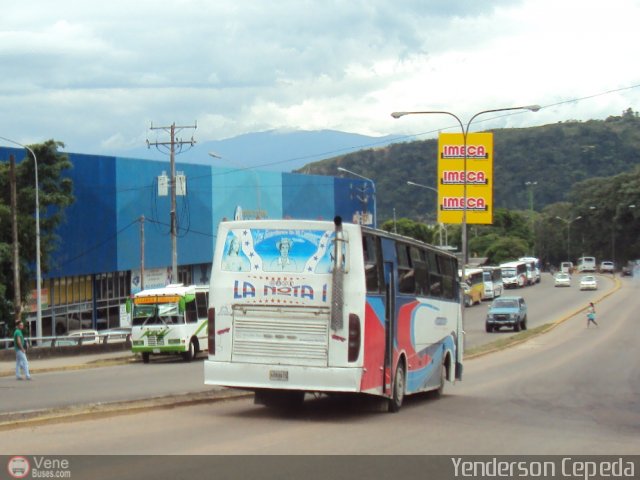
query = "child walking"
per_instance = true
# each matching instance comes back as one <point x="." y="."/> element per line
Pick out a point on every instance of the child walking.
<point x="591" y="315"/>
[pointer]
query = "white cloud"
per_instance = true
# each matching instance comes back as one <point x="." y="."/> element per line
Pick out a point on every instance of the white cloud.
<point x="94" y="75"/>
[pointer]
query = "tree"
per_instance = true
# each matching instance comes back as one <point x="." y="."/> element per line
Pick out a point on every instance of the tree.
<point x="409" y="228"/>
<point x="55" y="193"/>
<point x="504" y="249"/>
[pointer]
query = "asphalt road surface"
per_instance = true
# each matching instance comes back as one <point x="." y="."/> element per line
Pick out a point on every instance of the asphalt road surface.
<point x="171" y="376"/>
<point x="574" y="390"/>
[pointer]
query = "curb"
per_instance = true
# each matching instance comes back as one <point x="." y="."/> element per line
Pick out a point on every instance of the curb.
<point x="82" y="366"/>
<point x="34" y="418"/>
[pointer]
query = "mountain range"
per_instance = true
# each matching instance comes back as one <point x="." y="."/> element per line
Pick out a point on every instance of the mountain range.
<point x="273" y="150"/>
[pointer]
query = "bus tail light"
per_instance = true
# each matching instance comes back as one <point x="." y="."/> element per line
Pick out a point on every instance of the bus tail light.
<point x="354" y="337"/>
<point x="211" y="330"/>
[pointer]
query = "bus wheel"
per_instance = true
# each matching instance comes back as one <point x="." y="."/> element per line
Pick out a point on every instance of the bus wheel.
<point x="145" y="357"/>
<point x="516" y="327"/>
<point x="395" y="402"/>
<point x="524" y="323"/>
<point x="190" y="354"/>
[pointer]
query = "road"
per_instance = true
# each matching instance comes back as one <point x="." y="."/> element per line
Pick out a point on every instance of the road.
<point x="571" y="391"/>
<point x="169" y="375"/>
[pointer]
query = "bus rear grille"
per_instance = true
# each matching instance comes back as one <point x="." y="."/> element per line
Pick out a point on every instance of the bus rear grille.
<point x="282" y="335"/>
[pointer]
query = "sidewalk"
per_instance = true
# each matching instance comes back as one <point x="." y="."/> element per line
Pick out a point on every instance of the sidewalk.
<point x="68" y="362"/>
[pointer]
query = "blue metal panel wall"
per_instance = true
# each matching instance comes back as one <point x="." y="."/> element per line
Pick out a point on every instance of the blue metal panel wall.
<point x="138" y="195"/>
<point x="350" y="199"/>
<point x="88" y="237"/>
<point x="248" y="189"/>
<point x="309" y="197"/>
<point x="102" y="230"/>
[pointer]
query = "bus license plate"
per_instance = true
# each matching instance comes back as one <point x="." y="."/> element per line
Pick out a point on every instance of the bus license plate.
<point x="279" y="375"/>
<point x="156" y="350"/>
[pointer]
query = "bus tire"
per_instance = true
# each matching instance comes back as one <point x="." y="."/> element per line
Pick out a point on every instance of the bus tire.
<point x="395" y="402"/>
<point x="145" y="357"/>
<point x="516" y="326"/>
<point x="190" y="354"/>
<point x="524" y="323"/>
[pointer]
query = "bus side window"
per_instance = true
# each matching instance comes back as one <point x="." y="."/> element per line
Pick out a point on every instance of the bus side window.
<point x="448" y="277"/>
<point x="371" y="263"/>
<point x="420" y="267"/>
<point x="435" y="277"/>
<point x="191" y="312"/>
<point x="406" y="274"/>
<point x="201" y="304"/>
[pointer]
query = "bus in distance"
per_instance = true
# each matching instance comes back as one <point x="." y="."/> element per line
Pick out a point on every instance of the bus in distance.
<point x="475" y="279"/>
<point x="586" y="264"/>
<point x="168" y="320"/>
<point x="493" y="286"/>
<point x="300" y="306"/>
<point x="514" y="274"/>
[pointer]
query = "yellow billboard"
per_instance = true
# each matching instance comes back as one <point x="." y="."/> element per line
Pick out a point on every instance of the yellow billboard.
<point x="479" y="177"/>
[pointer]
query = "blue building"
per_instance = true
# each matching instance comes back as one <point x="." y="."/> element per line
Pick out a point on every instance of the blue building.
<point x="99" y="261"/>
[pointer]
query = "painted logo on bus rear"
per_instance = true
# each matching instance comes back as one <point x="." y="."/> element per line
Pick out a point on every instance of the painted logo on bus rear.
<point x="274" y="292"/>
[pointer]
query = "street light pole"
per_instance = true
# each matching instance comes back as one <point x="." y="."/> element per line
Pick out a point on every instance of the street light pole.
<point x="465" y="132"/>
<point x="38" y="267"/>
<point x="531" y="186"/>
<point x="569" y="222"/>
<point x="373" y="186"/>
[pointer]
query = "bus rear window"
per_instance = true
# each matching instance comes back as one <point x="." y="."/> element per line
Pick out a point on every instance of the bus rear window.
<point x="294" y="251"/>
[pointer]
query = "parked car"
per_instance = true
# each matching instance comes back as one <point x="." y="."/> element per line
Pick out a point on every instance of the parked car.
<point x="588" y="282"/>
<point x="84" y="337"/>
<point x="507" y="312"/>
<point x="562" y="279"/>
<point x="115" y="335"/>
<point x="607" y="267"/>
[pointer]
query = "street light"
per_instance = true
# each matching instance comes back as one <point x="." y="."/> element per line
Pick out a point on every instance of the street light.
<point x="440" y="224"/>
<point x="569" y="222"/>
<point x="38" y="269"/>
<point x="465" y="132"/>
<point x="373" y="188"/>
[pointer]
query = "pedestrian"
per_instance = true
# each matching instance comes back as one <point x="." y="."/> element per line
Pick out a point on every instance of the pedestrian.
<point x="21" y="352"/>
<point x="591" y="315"/>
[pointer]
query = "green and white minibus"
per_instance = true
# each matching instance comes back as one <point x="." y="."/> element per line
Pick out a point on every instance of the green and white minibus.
<point x="167" y="320"/>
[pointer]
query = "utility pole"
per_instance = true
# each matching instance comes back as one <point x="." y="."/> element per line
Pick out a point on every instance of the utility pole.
<point x="17" y="302"/>
<point x="171" y="146"/>
<point x="142" y="253"/>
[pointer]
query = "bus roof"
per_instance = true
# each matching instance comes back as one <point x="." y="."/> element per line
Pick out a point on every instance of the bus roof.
<point x="324" y="224"/>
<point x="512" y="264"/>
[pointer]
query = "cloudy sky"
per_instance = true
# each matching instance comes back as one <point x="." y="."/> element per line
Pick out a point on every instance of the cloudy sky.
<point x="94" y="75"/>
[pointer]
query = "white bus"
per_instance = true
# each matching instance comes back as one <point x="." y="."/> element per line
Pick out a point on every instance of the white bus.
<point x="492" y="277"/>
<point x="535" y="268"/>
<point x="172" y="319"/>
<point x="514" y="274"/>
<point x="586" y="264"/>
<point x="326" y="307"/>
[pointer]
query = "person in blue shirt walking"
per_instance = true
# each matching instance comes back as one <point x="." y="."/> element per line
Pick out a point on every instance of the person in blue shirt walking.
<point x="22" y="364"/>
<point x="591" y="315"/>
